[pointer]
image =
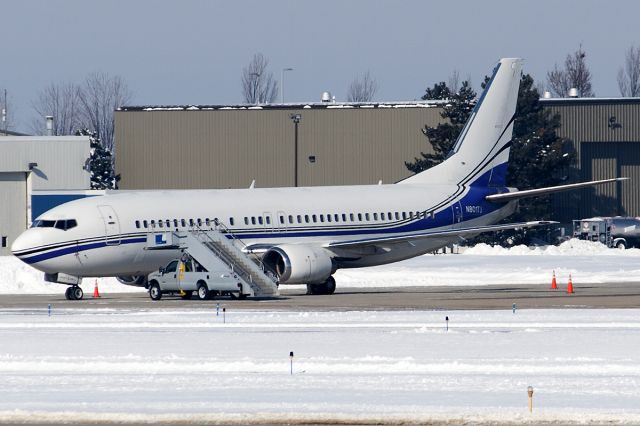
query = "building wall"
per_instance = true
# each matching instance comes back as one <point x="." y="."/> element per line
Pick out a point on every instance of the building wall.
<point x="229" y="148"/>
<point x="13" y="211"/>
<point x="606" y="136"/>
<point x="60" y="160"/>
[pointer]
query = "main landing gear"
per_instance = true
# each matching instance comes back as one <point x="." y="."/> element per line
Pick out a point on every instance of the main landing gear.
<point x="74" y="293"/>
<point x="327" y="287"/>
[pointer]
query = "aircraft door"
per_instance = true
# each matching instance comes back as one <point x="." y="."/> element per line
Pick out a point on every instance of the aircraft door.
<point x="457" y="212"/>
<point x="111" y="225"/>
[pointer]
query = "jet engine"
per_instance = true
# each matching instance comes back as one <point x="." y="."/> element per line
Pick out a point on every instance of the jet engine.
<point x="133" y="280"/>
<point x="299" y="264"/>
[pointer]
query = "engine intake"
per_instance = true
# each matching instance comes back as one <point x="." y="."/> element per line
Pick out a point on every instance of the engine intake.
<point x="299" y="264"/>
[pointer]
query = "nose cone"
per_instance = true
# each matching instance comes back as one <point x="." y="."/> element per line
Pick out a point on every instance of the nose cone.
<point x="26" y="242"/>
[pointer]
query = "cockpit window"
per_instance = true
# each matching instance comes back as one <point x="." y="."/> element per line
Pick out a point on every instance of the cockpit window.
<point x="63" y="224"/>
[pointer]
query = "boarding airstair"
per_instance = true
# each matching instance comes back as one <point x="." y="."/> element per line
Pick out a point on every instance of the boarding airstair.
<point x="217" y="249"/>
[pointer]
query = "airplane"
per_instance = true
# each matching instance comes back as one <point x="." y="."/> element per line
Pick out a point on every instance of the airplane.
<point x="304" y="234"/>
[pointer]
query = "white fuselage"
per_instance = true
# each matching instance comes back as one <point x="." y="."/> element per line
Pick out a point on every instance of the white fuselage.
<point x="110" y="236"/>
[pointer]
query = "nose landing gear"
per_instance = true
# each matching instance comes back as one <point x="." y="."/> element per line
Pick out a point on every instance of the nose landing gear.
<point x="74" y="292"/>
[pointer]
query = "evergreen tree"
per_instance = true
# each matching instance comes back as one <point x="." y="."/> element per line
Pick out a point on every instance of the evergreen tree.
<point x="100" y="163"/>
<point x="442" y="137"/>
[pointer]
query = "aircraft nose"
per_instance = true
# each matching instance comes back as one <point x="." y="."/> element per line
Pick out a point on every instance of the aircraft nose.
<point x="26" y="241"/>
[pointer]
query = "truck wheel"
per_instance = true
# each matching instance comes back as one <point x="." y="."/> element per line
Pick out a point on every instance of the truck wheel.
<point x="621" y="245"/>
<point x="154" y="291"/>
<point x="203" y="291"/>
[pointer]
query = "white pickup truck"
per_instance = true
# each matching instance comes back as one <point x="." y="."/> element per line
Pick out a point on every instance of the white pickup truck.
<point x="184" y="276"/>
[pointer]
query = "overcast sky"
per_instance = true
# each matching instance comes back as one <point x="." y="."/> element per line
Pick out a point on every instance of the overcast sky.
<point x="192" y="52"/>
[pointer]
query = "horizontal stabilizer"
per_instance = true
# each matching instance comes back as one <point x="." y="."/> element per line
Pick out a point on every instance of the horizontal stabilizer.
<point x="435" y="234"/>
<point x="508" y="196"/>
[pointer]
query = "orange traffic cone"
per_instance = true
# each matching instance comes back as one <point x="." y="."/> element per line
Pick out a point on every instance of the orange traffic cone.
<point x="96" y="293"/>
<point x="554" y="284"/>
<point x="570" y="286"/>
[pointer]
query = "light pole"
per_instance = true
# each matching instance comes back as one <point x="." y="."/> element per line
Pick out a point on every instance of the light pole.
<point x="296" y="120"/>
<point x="282" y="83"/>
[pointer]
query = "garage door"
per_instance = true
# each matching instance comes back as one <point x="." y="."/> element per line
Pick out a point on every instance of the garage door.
<point x="603" y="160"/>
<point x="13" y="208"/>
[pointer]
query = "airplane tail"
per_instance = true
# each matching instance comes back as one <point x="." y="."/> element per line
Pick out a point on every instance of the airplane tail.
<point x="480" y="155"/>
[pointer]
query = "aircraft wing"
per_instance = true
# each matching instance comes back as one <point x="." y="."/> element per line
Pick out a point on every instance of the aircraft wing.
<point x="508" y="196"/>
<point x="436" y="234"/>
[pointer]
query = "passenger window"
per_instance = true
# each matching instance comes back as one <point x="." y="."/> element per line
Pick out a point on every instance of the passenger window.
<point x="375" y="216"/>
<point x="260" y="220"/>
<point x="231" y="221"/>
<point x="290" y="219"/>
<point x="344" y="217"/>
<point x="382" y="216"/>
<point x="282" y="220"/>
<point x="145" y="223"/>
<point x="191" y="223"/>
<point x="359" y="217"/>
<point x="306" y="218"/>
<point x="299" y="219"/>
<point x="183" y="223"/>
<point x="366" y="216"/>
<point x="328" y="218"/>
<point x="267" y="219"/>
<point x="175" y="223"/>
<point x="321" y="218"/>
<point x="153" y="223"/>
<point x="138" y="224"/>
<point x="246" y="220"/>
<point x="199" y="222"/>
<point x="160" y="224"/>
<point x="314" y="217"/>
<point x="336" y="217"/>
<point x="207" y="221"/>
<point x="253" y="220"/>
<point x="397" y="216"/>
<point x="168" y="223"/>
<point x="351" y="217"/>
<point x="404" y="215"/>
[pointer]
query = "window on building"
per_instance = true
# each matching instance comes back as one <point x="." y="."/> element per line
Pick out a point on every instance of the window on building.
<point x="4" y="241"/>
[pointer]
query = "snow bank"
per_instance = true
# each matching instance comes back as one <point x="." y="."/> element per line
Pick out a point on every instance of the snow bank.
<point x="573" y="247"/>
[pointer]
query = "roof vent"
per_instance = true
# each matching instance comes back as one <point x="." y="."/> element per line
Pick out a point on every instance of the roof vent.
<point x="546" y="94"/>
<point x="573" y="92"/>
<point x="326" y="97"/>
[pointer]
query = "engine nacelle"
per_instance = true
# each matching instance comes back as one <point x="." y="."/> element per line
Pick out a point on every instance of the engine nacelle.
<point x="133" y="280"/>
<point x="299" y="264"/>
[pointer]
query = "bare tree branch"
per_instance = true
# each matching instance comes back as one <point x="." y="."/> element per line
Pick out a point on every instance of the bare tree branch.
<point x="60" y="101"/>
<point x="100" y="95"/>
<point x="575" y="74"/>
<point x="258" y="84"/>
<point x="454" y="81"/>
<point x="7" y="111"/>
<point x="629" y="75"/>
<point x="362" y="89"/>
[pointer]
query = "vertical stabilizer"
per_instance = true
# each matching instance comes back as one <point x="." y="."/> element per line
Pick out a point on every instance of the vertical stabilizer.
<point x="481" y="153"/>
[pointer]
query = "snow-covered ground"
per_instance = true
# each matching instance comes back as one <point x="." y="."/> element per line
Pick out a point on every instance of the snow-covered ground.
<point x="588" y="262"/>
<point x="390" y="367"/>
